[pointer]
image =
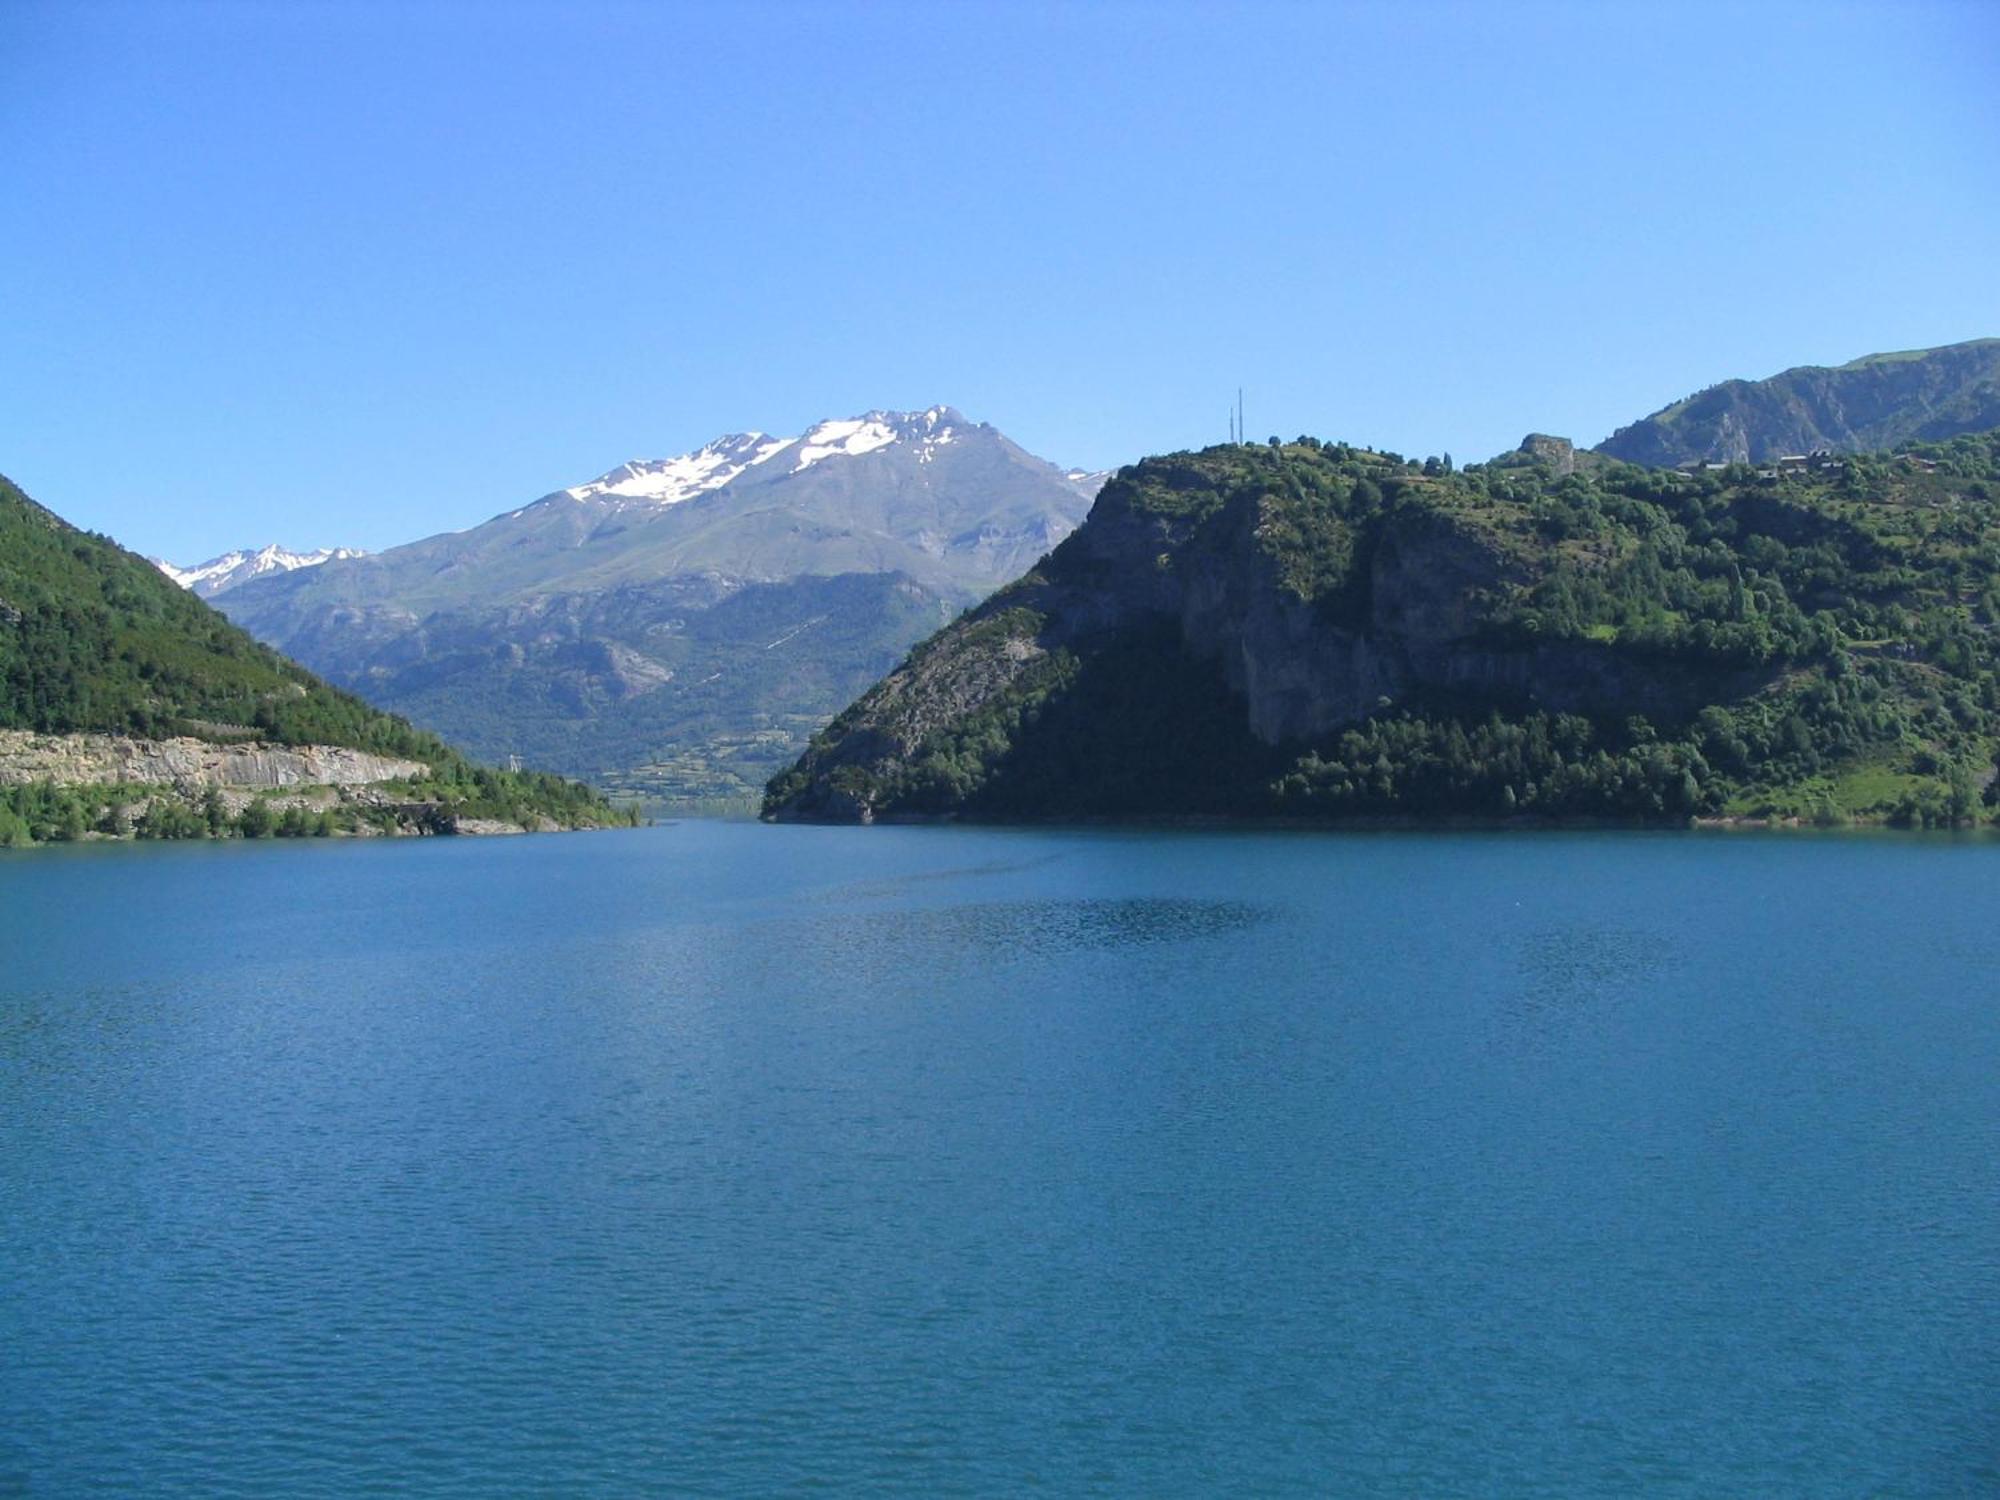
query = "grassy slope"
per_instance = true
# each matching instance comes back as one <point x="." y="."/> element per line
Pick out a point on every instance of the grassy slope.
<point x="1912" y="356"/>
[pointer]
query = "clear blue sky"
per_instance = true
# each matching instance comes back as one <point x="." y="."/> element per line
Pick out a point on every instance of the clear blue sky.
<point x="355" y="273"/>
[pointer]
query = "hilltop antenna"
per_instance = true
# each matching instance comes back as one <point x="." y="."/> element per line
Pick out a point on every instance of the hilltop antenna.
<point x="1239" y="415"/>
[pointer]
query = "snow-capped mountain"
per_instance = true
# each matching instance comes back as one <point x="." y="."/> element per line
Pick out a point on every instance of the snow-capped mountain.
<point x="681" y="624"/>
<point x="219" y="573"/>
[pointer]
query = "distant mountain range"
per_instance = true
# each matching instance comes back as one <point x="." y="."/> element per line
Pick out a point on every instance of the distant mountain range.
<point x="679" y="626"/>
<point x="221" y="573"/>
<point x="1926" y="395"/>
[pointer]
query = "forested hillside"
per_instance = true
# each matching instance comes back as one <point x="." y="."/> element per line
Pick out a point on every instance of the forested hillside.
<point x="95" y="640"/>
<point x="1312" y="630"/>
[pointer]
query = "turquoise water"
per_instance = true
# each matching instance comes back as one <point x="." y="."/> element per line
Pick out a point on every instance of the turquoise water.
<point x="724" y="1160"/>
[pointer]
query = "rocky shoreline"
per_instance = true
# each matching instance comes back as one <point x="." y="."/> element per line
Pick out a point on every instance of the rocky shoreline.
<point x="137" y="788"/>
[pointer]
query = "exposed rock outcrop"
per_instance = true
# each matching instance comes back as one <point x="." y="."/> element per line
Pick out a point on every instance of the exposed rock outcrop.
<point x="1426" y="592"/>
<point x="1558" y="452"/>
<point x="188" y="764"/>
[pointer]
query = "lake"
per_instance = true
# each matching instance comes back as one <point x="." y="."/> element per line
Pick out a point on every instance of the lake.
<point x="717" y="1159"/>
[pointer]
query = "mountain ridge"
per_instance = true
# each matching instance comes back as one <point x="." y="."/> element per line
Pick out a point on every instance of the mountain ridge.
<point x="1871" y="403"/>
<point x="228" y="569"/>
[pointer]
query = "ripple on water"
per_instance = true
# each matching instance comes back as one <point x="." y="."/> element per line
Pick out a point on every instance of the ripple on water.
<point x="1571" y="967"/>
<point x="1354" y="1181"/>
<point x="986" y="931"/>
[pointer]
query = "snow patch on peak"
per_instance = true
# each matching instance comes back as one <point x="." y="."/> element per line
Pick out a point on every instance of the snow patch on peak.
<point x="926" y="431"/>
<point x="848" y="439"/>
<point x="1087" y="482"/>
<point x="668" y="481"/>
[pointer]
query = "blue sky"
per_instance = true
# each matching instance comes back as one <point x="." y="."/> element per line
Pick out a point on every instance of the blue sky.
<point x="355" y="273"/>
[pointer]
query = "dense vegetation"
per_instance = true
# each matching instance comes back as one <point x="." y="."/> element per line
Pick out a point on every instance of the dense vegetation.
<point x="94" y="639"/>
<point x="1614" y="643"/>
<point x="43" y="812"/>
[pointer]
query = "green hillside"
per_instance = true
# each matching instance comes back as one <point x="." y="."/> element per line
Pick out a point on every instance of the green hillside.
<point x="1320" y="632"/>
<point x="94" y="639"/>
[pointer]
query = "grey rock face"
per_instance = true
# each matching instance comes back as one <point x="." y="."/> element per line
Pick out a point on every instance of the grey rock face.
<point x="188" y="764"/>
<point x="1559" y="453"/>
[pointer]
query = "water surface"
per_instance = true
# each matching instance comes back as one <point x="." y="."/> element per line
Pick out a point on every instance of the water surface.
<point x="718" y="1159"/>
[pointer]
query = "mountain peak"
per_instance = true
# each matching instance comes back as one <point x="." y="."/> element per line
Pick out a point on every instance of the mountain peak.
<point x="668" y="481"/>
<point x="210" y="578"/>
<point x="850" y="437"/>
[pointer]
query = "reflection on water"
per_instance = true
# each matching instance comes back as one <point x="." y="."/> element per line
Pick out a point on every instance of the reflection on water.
<point x="999" y="931"/>
<point x="896" y="885"/>
<point x="1579" y="966"/>
<point x="900" y="949"/>
<point x="1066" y="926"/>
